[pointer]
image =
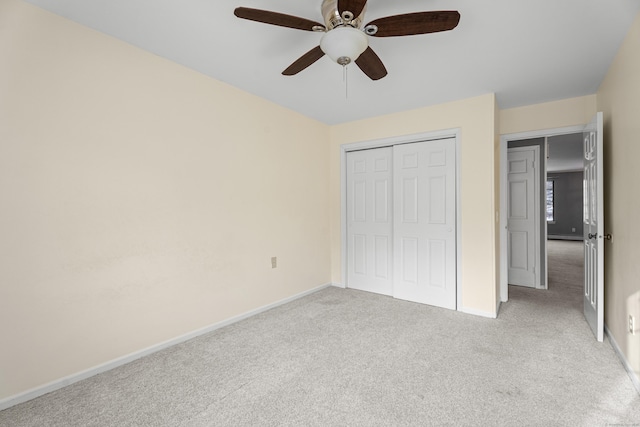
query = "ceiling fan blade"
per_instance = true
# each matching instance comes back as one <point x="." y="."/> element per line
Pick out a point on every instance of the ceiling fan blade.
<point x="304" y="61"/>
<point x="416" y="23"/>
<point x="275" y="18"/>
<point x="371" y="65"/>
<point x="353" y="6"/>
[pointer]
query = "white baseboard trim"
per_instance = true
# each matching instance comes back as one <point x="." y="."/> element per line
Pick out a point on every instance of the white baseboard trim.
<point x="476" y="312"/>
<point x="339" y="285"/>
<point x="559" y="237"/>
<point x="73" y="378"/>
<point x="627" y="366"/>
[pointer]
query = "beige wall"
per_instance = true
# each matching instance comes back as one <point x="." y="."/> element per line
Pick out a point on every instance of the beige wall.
<point x="140" y="200"/>
<point x="475" y="118"/>
<point x="548" y="115"/>
<point x="619" y="100"/>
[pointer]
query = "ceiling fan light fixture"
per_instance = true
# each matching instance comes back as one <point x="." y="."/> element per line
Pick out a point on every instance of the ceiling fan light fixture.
<point x="345" y="40"/>
<point x="344" y="44"/>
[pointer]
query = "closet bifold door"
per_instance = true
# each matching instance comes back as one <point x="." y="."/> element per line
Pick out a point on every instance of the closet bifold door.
<point x="369" y="220"/>
<point x="424" y="222"/>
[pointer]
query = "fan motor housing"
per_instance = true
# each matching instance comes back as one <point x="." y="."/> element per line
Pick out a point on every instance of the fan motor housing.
<point x="333" y="19"/>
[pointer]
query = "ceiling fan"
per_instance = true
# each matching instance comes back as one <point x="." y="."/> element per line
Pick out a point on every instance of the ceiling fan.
<point x="345" y="38"/>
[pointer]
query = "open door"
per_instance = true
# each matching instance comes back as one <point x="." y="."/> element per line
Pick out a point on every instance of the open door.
<point x="594" y="227"/>
<point x="523" y="216"/>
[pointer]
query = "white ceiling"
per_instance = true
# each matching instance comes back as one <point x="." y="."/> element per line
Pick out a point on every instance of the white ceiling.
<point x="524" y="51"/>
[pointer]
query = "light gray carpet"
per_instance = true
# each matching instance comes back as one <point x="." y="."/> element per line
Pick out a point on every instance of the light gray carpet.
<point x="349" y="358"/>
<point x="566" y="266"/>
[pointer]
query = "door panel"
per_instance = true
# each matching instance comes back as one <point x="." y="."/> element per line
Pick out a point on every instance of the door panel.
<point x="409" y="200"/>
<point x="383" y="259"/>
<point x="369" y="225"/>
<point x="522" y="216"/>
<point x="594" y="227"/>
<point x="437" y="198"/>
<point x="381" y="203"/>
<point x="520" y="256"/>
<point x="424" y="222"/>
<point x="437" y="261"/>
<point x="409" y="255"/>
<point x="359" y="254"/>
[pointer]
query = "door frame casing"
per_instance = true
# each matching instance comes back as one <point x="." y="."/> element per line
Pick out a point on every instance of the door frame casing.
<point x="504" y="141"/>
<point x="387" y="142"/>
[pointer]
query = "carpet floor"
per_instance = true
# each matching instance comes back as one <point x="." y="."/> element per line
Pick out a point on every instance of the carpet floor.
<point x="350" y="358"/>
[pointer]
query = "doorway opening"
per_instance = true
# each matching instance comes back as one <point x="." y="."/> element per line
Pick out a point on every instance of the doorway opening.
<point x="553" y="196"/>
<point x="563" y="210"/>
<point x="558" y="194"/>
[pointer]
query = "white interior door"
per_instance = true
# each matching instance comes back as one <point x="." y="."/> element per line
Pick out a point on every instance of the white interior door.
<point x="369" y="220"/>
<point x="594" y="227"/>
<point x="522" y="216"/>
<point x="424" y="222"/>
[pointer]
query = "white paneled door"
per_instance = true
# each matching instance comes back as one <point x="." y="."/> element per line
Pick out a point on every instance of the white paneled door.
<point x="424" y="223"/>
<point x="369" y="221"/>
<point x="593" y="216"/>
<point x="401" y="221"/>
<point x="522" y="215"/>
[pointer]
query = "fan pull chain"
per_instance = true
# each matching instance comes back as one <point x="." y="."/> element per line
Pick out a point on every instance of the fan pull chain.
<point x="345" y="80"/>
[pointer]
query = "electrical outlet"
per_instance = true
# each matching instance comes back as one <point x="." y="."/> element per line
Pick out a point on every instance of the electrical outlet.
<point x="632" y="325"/>
<point x="274" y="262"/>
<point x="573" y="229"/>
